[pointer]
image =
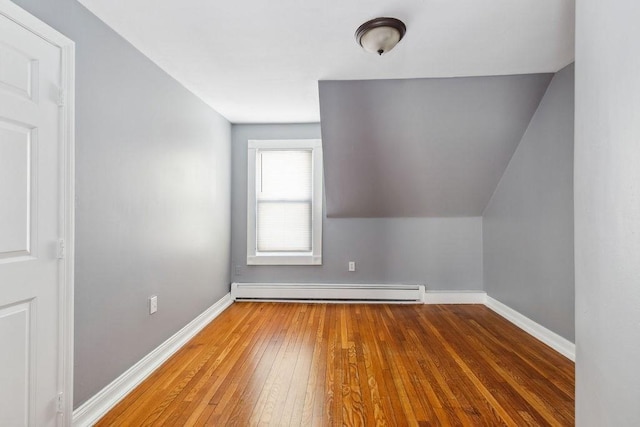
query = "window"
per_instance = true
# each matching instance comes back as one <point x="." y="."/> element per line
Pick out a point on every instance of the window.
<point x="284" y="204"/>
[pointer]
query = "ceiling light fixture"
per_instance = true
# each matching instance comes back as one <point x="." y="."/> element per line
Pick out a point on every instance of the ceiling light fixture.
<point x="380" y="35"/>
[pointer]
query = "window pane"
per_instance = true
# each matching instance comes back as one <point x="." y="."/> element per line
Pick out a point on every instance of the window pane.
<point x="284" y="175"/>
<point x="284" y="226"/>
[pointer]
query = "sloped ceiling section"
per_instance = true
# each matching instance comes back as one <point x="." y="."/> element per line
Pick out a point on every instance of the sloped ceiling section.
<point x="421" y="147"/>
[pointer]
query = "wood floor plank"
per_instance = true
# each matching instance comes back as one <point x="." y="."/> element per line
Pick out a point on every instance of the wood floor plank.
<point x="355" y="365"/>
<point x="358" y="362"/>
<point x="379" y="368"/>
<point x="316" y="373"/>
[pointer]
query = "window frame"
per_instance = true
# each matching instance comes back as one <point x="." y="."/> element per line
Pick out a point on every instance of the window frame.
<point x="313" y="257"/>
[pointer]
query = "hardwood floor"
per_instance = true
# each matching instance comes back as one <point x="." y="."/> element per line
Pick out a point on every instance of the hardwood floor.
<point x="318" y="364"/>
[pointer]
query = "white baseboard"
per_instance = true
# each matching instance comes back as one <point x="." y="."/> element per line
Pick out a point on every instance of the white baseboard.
<point x="96" y="407"/>
<point x="455" y="297"/>
<point x="550" y="338"/>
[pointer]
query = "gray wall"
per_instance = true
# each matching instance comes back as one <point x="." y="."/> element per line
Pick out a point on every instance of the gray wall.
<point x="528" y="223"/>
<point x="607" y="213"/>
<point x="153" y="179"/>
<point x="443" y="253"/>
<point x="422" y="147"/>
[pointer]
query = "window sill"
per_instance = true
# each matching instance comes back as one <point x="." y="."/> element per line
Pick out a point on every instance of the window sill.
<point x="284" y="259"/>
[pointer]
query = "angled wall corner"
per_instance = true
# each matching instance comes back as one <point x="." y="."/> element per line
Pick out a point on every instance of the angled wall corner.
<point x="528" y="249"/>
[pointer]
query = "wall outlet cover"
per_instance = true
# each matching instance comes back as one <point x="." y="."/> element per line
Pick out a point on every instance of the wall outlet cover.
<point x="153" y="304"/>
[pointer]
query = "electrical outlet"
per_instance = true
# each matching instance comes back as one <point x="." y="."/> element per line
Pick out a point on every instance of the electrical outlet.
<point x="352" y="266"/>
<point x="238" y="271"/>
<point x="153" y="304"/>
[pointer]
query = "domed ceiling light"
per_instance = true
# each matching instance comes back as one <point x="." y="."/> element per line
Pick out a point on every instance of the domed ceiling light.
<point x="380" y="35"/>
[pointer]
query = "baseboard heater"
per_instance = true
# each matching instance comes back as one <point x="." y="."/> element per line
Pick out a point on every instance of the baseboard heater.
<point x="324" y="292"/>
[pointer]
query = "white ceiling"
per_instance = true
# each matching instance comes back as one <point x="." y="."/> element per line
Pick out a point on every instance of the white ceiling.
<point x="258" y="61"/>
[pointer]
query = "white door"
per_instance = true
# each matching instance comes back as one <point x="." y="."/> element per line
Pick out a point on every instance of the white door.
<point x="30" y="222"/>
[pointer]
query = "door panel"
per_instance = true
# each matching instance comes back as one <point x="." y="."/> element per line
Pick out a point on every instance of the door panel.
<point x="16" y="186"/>
<point x="15" y="366"/>
<point x="30" y="225"/>
<point x="18" y="72"/>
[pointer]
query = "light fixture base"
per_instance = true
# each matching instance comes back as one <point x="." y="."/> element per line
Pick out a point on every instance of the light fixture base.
<point x="380" y="35"/>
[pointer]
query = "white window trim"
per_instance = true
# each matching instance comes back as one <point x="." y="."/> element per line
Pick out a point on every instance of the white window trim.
<point x="291" y="258"/>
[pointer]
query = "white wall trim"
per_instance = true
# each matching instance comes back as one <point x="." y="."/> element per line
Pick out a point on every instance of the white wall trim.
<point x="96" y="407"/>
<point x="66" y="196"/>
<point x="455" y="297"/>
<point x="550" y="338"/>
<point x="67" y="286"/>
<point x="33" y="24"/>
